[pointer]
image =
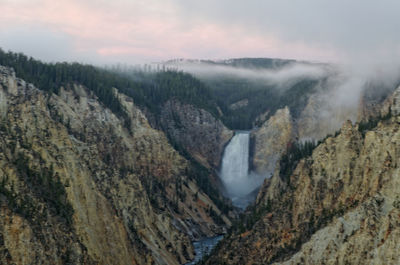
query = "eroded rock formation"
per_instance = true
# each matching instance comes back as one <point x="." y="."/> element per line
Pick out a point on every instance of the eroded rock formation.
<point x="77" y="186"/>
<point x="338" y="206"/>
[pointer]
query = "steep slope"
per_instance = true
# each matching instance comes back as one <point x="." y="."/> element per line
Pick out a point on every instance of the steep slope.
<point x="375" y="99"/>
<point x="78" y="187"/>
<point x="246" y="88"/>
<point x="340" y="205"/>
<point x="196" y="130"/>
<point x="320" y="117"/>
<point x="270" y="141"/>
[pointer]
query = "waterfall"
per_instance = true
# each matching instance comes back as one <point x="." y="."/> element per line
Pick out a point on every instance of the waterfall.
<point x="237" y="181"/>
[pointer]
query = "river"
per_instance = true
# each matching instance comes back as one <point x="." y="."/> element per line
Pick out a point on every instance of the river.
<point x="203" y="247"/>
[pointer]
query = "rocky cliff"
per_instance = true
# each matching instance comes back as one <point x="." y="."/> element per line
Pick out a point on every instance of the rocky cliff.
<point x="320" y="117"/>
<point x="270" y="140"/>
<point x="338" y="206"/>
<point x="78" y="187"/>
<point x="374" y="100"/>
<point x="196" y="130"/>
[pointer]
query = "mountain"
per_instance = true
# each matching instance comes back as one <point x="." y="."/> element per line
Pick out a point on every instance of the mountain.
<point x="336" y="205"/>
<point x="250" y="90"/>
<point x="85" y="179"/>
<point x="120" y="166"/>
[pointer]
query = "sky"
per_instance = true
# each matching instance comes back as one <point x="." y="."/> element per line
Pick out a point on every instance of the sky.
<point x="133" y="31"/>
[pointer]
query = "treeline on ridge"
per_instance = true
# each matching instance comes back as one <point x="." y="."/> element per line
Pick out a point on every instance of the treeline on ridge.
<point x="261" y="97"/>
<point x="151" y="94"/>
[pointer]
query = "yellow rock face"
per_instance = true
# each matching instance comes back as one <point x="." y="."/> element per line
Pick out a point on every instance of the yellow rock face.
<point x="270" y="141"/>
<point x="202" y="135"/>
<point x="111" y="176"/>
<point x="341" y="205"/>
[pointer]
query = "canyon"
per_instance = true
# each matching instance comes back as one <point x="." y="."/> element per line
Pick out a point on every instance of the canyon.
<point x="337" y="206"/>
<point x="84" y="180"/>
<point x="121" y="196"/>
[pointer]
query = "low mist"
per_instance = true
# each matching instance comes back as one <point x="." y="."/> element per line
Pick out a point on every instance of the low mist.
<point x="336" y="99"/>
<point x="344" y="96"/>
<point x="276" y="75"/>
<point x="343" y="93"/>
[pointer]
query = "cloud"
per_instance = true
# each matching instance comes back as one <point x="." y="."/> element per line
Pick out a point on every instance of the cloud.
<point x="133" y="30"/>
<point x="278" y="76"/>
<point x="32" y="41"/>
<point x="351" y="28"/>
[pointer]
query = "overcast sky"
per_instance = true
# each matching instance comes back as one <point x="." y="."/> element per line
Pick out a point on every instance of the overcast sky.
<point x="133" y="31"/>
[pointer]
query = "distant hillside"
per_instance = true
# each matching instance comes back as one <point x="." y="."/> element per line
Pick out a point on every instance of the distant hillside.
<point x="260" y="63"/>
<point x="252" y="80"/>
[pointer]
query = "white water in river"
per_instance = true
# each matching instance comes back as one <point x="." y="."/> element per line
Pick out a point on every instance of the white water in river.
<point x="203" y="248"/>
<point x="238" y="183"/>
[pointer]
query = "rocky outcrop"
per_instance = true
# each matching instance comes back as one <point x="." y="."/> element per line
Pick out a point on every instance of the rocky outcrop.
<point x="78" y="187"/>
<point x="319" y="118"/>
<point x="240" y="104"/>
<point x="395" y="102"/>
<point x="270" y="140"/>
<point x="375" y="101"/>
<point x="391" y="104"/>
<point x="368" y="234"/>
<point x="197" y="131"/>
<point x="339" y="206"/>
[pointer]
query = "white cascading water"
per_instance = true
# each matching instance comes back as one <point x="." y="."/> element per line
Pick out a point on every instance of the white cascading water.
<point x="238" y="183"/>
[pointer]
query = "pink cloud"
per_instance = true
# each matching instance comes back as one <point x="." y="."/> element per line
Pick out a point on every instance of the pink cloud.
<point x="152" y="31"/>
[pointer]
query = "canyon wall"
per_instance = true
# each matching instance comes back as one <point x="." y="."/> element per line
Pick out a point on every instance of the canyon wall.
<point x="77" y="186"/>
<point x="338" y="206"/>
